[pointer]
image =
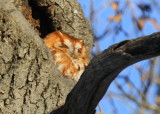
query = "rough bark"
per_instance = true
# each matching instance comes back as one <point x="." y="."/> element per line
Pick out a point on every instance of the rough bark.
<point x="104" y="68"/>
<point x="29" y="81"/>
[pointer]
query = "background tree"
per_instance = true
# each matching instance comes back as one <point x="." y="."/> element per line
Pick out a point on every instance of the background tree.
<point x="113" y="21"/>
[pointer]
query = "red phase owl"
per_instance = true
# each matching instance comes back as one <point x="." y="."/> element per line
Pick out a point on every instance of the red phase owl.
<point x="69" y="54"/>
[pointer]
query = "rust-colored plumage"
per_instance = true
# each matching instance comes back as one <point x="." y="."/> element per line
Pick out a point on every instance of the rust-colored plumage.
<point x="69" y="54"/>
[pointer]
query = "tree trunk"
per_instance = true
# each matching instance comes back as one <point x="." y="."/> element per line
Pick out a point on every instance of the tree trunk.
<point x="29" y="81"/>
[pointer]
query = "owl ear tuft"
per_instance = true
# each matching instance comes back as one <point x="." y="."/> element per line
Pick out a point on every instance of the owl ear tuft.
<point x="59" y="32"/>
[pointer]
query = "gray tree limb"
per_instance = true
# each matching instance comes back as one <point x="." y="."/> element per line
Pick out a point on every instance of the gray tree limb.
<point x="104" y="68"/>
<point x="29" y="81"/>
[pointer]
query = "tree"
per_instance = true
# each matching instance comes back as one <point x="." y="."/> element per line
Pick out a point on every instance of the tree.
<point x="30" y="82"/>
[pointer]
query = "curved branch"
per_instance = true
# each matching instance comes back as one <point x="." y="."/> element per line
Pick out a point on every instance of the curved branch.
<point x="104" y="68"/>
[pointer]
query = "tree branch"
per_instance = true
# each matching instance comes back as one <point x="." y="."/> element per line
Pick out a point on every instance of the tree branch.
<point x="104" y="68"/>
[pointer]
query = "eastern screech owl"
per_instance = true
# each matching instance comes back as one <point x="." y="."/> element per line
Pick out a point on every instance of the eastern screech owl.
<point x="69" y="54"/>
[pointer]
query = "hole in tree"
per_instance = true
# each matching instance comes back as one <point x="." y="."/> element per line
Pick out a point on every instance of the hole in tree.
<point x="39" y="18"/>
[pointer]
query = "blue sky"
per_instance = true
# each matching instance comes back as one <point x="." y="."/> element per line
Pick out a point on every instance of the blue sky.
<point x="100" y="25"/>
